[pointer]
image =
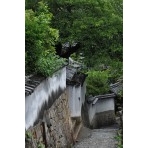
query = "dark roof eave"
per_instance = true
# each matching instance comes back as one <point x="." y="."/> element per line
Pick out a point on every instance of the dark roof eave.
<point x="100" y="97"/>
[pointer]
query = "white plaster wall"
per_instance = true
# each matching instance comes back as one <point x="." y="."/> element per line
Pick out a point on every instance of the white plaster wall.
<point x="101" y="106"/>
<point x="74" y="93"/>
<point x="41" y="94"/>
<point x="91" y="111"/>
<point x="83" y="92"/>
<point x="105" y="105"/>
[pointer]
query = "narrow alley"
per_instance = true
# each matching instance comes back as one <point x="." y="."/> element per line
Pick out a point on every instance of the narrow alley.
<point x="97" y="138"/>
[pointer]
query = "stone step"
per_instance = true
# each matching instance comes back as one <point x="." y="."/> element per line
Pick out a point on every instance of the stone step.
<point x="77" y="130"/>
<point x="120" y="108"/>
<point x="73" y="124"/>
<point x="97" y="138"/>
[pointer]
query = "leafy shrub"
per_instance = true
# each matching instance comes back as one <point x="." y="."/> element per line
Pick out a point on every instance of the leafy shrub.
<point x="116" y="71"/>
<point x="40" y="145"/>
<point x="119" y="139"/>
<point x="114" y="67"/>
<point x="40" y="39"/>
<point x="97" y="82"/>
<point x="46" y="65"/>
<point x="28" y="135"/>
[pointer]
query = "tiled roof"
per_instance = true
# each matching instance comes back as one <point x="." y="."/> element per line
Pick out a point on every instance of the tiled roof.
<point x="70" y="71"/>
<point x="73" y="77"/>
<point x="31" y="82"/>
<point x="116" y="87"/>
<point x="99" y="97"/>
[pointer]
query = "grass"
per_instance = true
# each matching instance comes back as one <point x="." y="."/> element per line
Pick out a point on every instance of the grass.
<point x="119" y="139"/>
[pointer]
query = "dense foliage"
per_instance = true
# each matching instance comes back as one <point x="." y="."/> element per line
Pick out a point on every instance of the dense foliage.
<point x="40" y="40"/>
<point x="98" y="26"/>
<point x="97" y="82"/>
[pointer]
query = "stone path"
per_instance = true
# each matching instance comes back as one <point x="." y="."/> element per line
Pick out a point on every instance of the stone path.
<point x="96" y="138"/>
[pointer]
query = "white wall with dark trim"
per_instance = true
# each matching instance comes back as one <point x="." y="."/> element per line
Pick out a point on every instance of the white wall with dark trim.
<point x="43" y="95"/>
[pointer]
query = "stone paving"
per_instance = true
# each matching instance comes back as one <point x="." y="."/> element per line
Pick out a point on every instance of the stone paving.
<point x="96" y="138"/>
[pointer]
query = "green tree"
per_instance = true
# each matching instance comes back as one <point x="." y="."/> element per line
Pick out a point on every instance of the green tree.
<point x="97" y="24"/>
<point x="40" y="39"/>
<point x="97" y="82"/>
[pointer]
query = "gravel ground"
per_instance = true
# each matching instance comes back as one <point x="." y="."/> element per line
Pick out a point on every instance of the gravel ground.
<point x="96" y="138"/>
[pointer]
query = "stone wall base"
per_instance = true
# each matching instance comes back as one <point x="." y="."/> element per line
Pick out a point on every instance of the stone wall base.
<point x="55" y="129"/>
<point x="103" y="119"/>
